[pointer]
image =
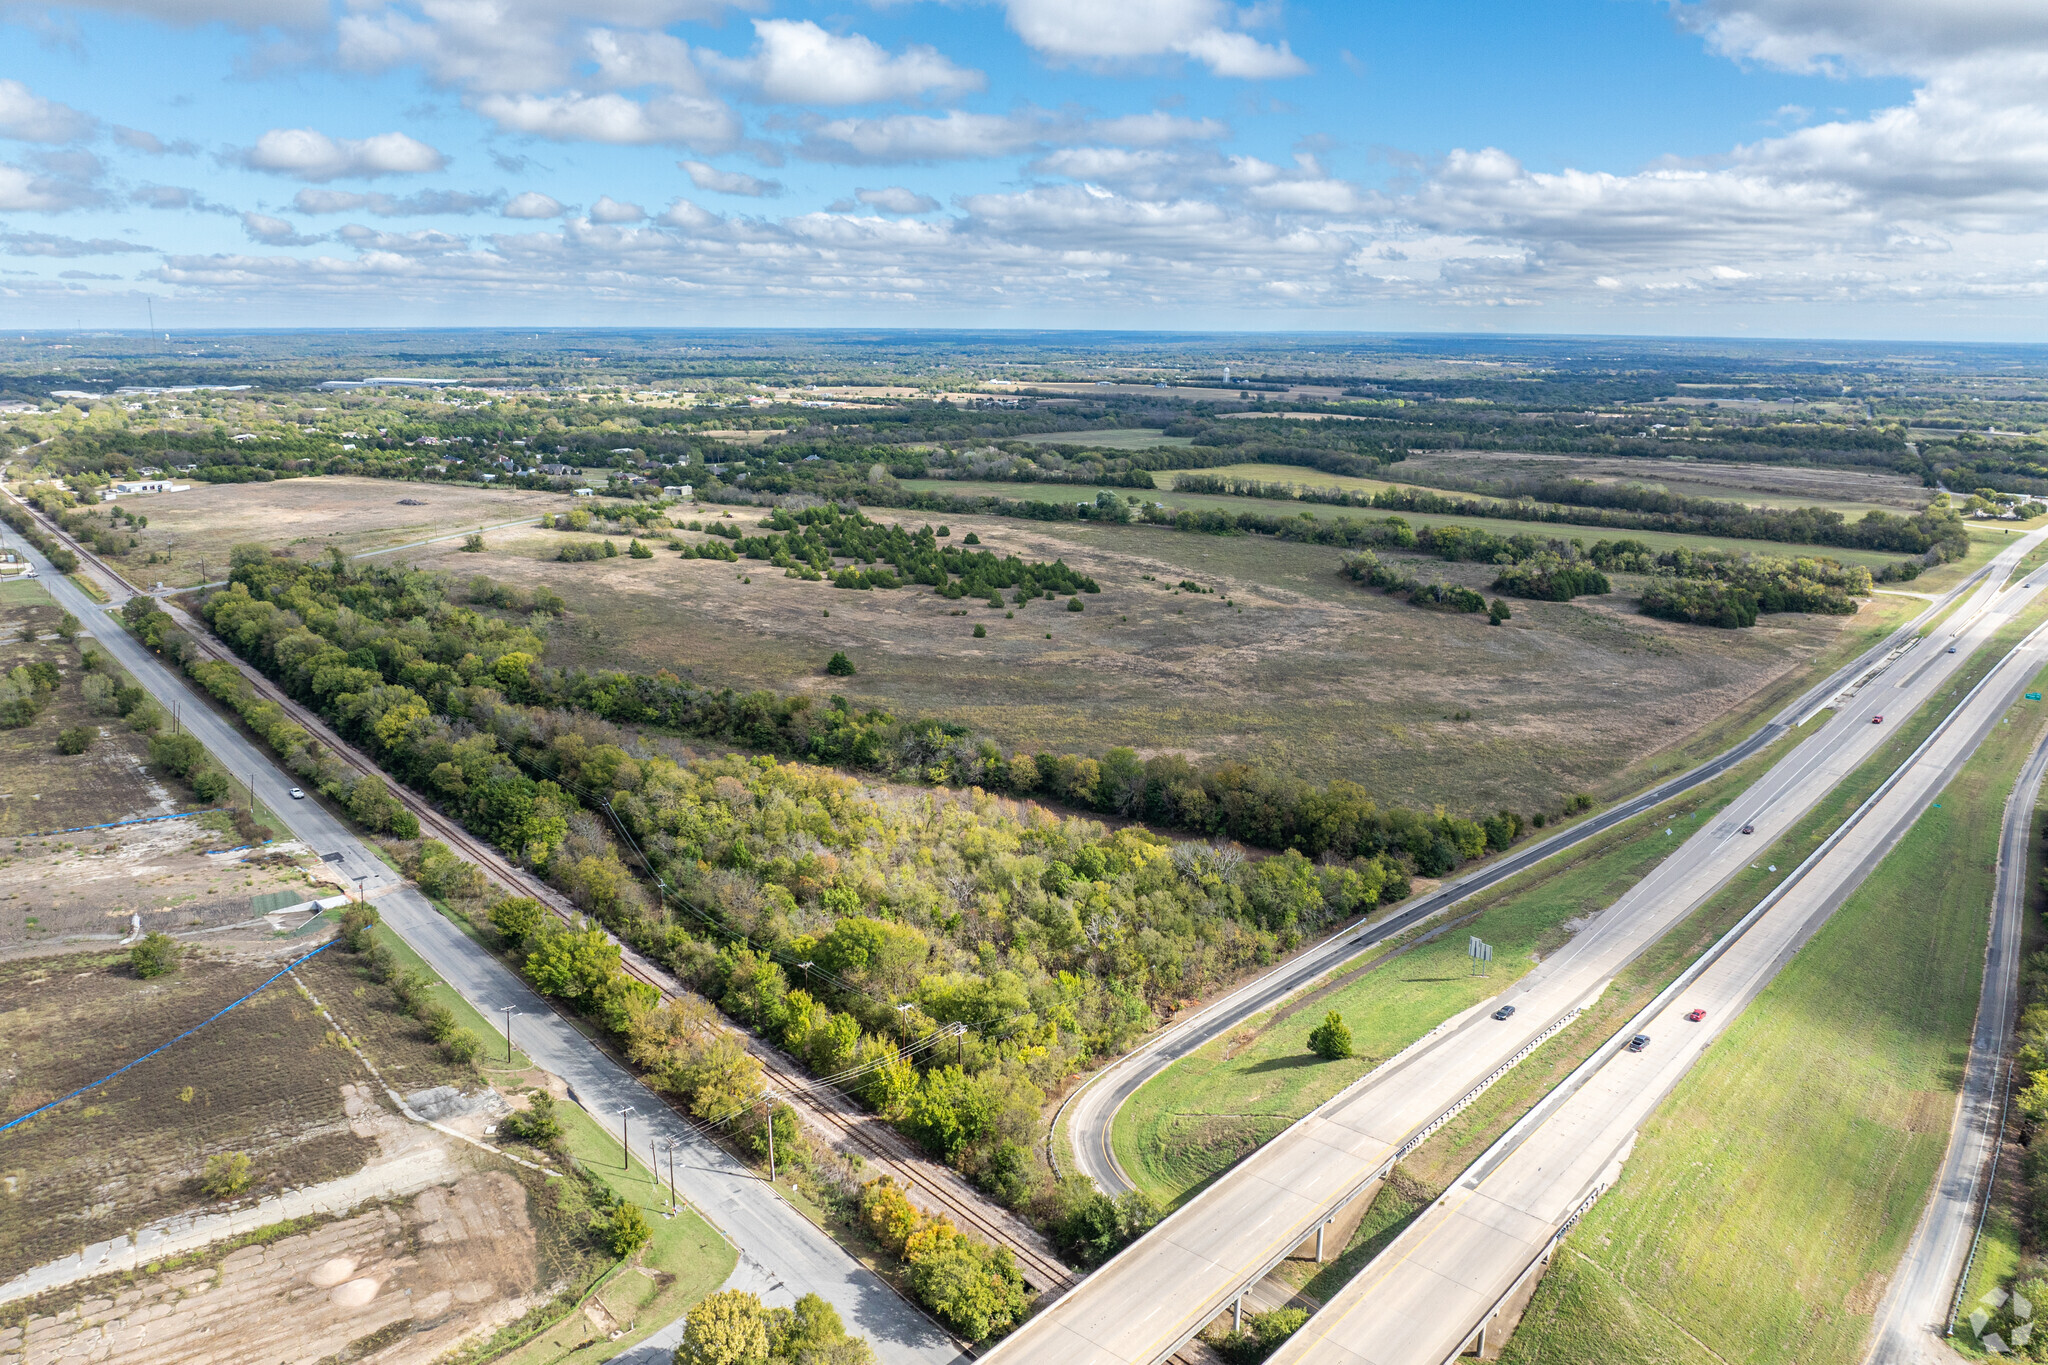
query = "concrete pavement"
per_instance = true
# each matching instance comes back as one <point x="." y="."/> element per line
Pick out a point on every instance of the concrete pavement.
<point x="781" y="1250"/>
<point x="1159" y="1292"/>
<point x="1420" y="1301"/>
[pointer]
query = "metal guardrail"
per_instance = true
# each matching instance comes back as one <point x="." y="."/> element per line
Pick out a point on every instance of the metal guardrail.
<point x="1476" y="1091"/>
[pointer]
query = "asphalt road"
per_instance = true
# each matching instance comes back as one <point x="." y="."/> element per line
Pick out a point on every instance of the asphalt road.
<point x="783" y="1255"/>
<point x="1141" y="1306"/>
<point x="1424" y="1296"/>
<point x="1090" y="1112"/>
<point x="1915" y="1313"/>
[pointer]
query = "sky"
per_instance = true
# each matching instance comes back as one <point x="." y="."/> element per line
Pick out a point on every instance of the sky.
<point x="1845" y="168"/>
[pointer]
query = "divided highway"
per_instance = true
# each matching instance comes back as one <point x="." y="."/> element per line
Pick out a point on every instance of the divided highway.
<point x="782" y="1254"/>
<point x="1423" y="1299"/>
<point x="1089" y="1114"/>
<point x="1143" y="1305"/>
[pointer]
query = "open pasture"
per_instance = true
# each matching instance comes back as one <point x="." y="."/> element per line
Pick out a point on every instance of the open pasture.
<point x="1119" y="438"/>
<point x="191" y="532"/>
<point x="1850" y="491"/>
<point x="1281" y="660"/>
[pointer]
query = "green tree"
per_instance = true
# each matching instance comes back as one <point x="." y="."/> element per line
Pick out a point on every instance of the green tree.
<point x="519" y="918"/>
<point x="839" y="666"/>
<point x="156" y="955"/>
<point x="975" y="1290"/>
<point x="537" y="1125"/>
<point x="639" y="551"/>
<point x="726" y="1328"/>
<point x="1498" y="612"/>
<point x="1331" y="1039"/>
<point x="178" y="754"/>
<point x="77" y="739"/>
<point x="572" y="963"/>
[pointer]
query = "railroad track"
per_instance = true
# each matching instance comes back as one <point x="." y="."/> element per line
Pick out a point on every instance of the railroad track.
<point x="824" y="1109"/>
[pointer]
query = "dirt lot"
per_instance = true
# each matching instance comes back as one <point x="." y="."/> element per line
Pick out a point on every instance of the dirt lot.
<point x="267" y="1080"/>
<point x="1299" y="668"/>
<point x="182" y="876"/>
<point x="41" y="789"/>
<point x="404" y="1281"/>
<point x="193" y="531"/>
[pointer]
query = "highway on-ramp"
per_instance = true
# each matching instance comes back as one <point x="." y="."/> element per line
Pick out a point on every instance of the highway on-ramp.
<point x="1421" y="1300"/>
<point x="782" y="1254"/>
<point x="1089" y="1114"/>
<point x="1145" y="1303"/>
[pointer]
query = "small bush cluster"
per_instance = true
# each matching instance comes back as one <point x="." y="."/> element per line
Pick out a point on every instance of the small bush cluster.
<point x="974" y="1289"/>
<point x="409" y="989"/>
<point x="733" y="1327"/>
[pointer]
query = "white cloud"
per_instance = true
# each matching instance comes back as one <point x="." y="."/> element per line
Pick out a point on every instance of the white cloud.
<point x="610" y="210"/>
<point x="137" y="140"/>
<point x="1910" y="36"/>
<point x="796" y="62"/>
<point x="1095" y="33"/>
<point x="425" y="242"/>
<point x="524" y="46"/>
<point x="684" y="214"/>
<point x="676" y="120"/>
<point x="896" y="199"/>
<point x="242" y="14"/>
<point x="312" y="155"/>
<point x="956" y="135"/>
<point x="274" y="231"/>
<point x="27" y="117"/>
<point x="532" y="204"/>
<point x="417" y="204"/>
<point x="1157" y="129"/>
<point x="708" y="177"/>
<point x="49" y="244"/>
<point x="52" y="189"/>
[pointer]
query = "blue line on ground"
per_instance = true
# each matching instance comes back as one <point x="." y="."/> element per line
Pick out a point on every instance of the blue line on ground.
<point x="180" y="1038"/>
<point x="116" y="824"/>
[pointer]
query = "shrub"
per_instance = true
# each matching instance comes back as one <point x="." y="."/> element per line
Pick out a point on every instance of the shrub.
<point x="981" y="632"/>
<point x="839" y="666"/>
<point x="972" y="539"/>
<point x="639" y="551"/>
<point x="1331" y="1039"/>
<point x="356" y="923"/>
<point x="211" y="785"/>
<point x="472" y="544"/>
<point x="156" y="955"/>
<point x="536" y="1126"/>
<point x="1074" y="604"/>
<point x="726" y="1328"/>
<point x="226" y="1175"/>
<point x="77" y="739"/>
<point x="625" y="1229"/>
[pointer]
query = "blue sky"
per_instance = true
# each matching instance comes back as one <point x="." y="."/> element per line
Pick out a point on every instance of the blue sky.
<point x="1762" y="167"/>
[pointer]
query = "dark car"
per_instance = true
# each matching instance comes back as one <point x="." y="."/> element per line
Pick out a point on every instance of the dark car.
<point x="1749" y="829"/>
<point x="1504" y="1012"/>
<point x="1695" y="1016"/>
<point x="1639" y="1042"/>
<point x="1951" y="649"/>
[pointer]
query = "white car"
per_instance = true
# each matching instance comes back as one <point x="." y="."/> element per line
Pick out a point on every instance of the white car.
<point x="298" y="795"/>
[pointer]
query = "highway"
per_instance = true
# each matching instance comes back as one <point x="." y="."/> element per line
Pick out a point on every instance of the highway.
<point x="1141" y="1306"/>
<point x="1089" y="1113"/>
<point x="783" y="1255"/>
<point x="1915" y="1312"/>
<point x="1421" y="1301"/>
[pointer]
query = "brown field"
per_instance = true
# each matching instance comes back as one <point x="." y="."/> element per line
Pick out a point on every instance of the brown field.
<point x="41" y="789"/>
<point x="191" y="532"/>
<point x="266" y="1080"/>
<point x="1300" y="669"/>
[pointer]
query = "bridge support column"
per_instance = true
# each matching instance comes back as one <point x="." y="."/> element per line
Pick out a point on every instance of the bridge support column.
<point x="1237" y="1314"/>
<point x="1321" y="1228"/>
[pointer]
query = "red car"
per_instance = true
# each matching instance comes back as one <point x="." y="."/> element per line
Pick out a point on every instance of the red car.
<point x="1695" y="1016"/>
<point x="1877" y="720"/>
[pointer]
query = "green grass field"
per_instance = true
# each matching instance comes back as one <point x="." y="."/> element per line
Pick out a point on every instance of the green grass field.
<point x="1767" y="1201"/>
<point x="1660" y="540"/>
<point x="1119" y="438"/>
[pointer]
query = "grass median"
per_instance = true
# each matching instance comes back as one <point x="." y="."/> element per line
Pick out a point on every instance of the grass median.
<point x="1769" y="1199"/>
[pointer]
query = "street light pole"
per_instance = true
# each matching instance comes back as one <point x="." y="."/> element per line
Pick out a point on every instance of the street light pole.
<point x="625" y="1142"/>
<point x="510" y="1010"/>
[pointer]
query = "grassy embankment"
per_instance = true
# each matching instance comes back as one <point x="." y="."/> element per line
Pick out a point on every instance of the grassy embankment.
<point x="1768" y="1200"/>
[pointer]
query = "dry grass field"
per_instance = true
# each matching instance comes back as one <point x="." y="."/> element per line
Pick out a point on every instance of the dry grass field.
<point x="1852" y="491"/>
<point x="191" y="532"/>
<point x="1283" y="661"/>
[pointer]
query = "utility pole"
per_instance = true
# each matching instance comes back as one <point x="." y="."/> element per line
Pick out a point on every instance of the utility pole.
<point x="625" y="1143"/>
<point x="673" y="1201"/>
<point x="510" y="1010"/>
<point x="771" y="1136"/>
